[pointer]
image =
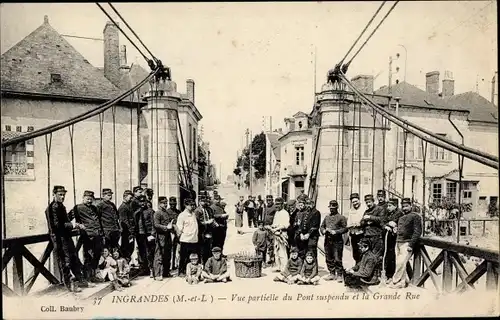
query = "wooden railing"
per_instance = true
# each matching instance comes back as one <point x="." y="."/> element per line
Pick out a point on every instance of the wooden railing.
<point x="424" y="267"/>
<point x="15" y="249"/>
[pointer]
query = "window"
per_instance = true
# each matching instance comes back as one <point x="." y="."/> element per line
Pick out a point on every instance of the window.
<point x="366" y="145"/>
<point x="299" y="155"/>
<point x="437" y="191"/>
<point x="467" y="194"/>
<point x="451" y="190"/>
<point x="15" y="160"/>
<point x="300" y="124"/>
<point x="439" y="154"/>
<point x="55" y="78"/>
<point x="413" y="147"/>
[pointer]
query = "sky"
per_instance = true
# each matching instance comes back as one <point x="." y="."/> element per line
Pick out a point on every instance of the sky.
<point x="256" y="60"/>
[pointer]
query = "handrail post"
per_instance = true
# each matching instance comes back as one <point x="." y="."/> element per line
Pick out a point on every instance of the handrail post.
<point x="18" y="272"/>
<point x="491" y="276"/>
<point x="417" y="264"/>
<point x="447" y="272"/>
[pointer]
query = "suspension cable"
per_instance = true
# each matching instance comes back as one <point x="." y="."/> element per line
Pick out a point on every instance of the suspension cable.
<point x="86" y="115"/>
<point x="430" y="138"/>
<point x="132" y="30"/>
<point x="157" y="142"/>
<point x="131" y="144"/>
<point x="362" y="32"/>
<point x="373" y="32"/>
<point x="113" y="112"/>
<point x="359" y="149"/>
<point x="353" y="149"/>
<point x="123" y="32"/>
<point x="342" y="166"/>
<point x="101" y="127"/>
<point x="405" y="137"/>
<point x="48" y="147"/>
<point x="71" y="130"/>
<point x="337" y="149"/>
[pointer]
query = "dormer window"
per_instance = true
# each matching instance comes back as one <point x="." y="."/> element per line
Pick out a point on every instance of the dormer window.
<point x="55" y="78"/>
<point x="300" y="125"/>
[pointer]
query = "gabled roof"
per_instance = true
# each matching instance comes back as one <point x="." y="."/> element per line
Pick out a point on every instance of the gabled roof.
<point x="28" y="65"/>
<point x="275" y="145"/>
<point x="134" y="75"/>
<point x="479" y="107"/>
<point x="300" y="114"/>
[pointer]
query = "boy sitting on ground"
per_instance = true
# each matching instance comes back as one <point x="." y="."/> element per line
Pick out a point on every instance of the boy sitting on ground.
<point x="193" y="270"/>
<point x="216" y="267"/>
<point x="309" y="271"/>
<point x="294" y="265"/>
<point x="122" y="269"/>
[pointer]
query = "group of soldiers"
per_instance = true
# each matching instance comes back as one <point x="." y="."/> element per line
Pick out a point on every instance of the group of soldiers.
<point x="100" y="224"/>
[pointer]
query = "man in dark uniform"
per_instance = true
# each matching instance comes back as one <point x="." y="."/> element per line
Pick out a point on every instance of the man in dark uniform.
<point x="372" y="225"/>
<point x="363" y="273"/>
<point x="268" y="218"/>
<point x="260" y="208"/>
<point x="60" y="228"/>
<point x="149" y="193"/>
<point x="308" y="230"/>
<point x="391" y="222"/>
<point x="138" y="191"/>
<point x="333" y="228"/>
<point x="110" y="219"/>
<point x="220" y="229"/>
<point x="86" y="214"/>
<point x="205" y="218"/>
<point x="250" y="207"/>
<point x="127" y="222"/>
<point x="173" y="211"/>
<point x="163" y="225"/>
<point x="292" y="210"/>
<point x="145" y="235"/>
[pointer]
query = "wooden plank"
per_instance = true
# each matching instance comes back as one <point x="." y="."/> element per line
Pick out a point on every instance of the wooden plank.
<point x="18" y="273"/>
<point x="8" y="291"/>
<point x="45" y="256"/>
<point x="486" y="254"/>
<point x="37" y="238"/>
<point x="447" y="272"/>
<point x="430" y="268"/>
<point x="491" y="276"/>
<point x="462" y="273"/>
<point x="472" y="277"/>
<point x="39" y="267"/>
<point x="417" y="264"/>
<point x="6" y="257"/>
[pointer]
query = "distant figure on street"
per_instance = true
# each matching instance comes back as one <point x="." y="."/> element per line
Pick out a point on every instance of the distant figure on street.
<point x="240" y="208"/>
<point x="260" y="241"/>
<point x="250" y="207"/>
<point x="145" y="235"/>
<point x="220" y="217"/>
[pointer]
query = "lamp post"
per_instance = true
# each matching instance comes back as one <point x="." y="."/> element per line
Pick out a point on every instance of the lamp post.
<point x="406" y="59"/>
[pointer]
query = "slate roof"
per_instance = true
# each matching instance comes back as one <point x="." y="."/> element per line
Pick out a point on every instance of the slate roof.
<point x="133" y="76"/>
<point x="28" y="65"/>
<point x="479" y="107"/>
<point x="300" y="114"/>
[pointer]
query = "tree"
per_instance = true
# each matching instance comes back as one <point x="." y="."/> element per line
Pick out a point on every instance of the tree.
<point x="237" y="171"/>
<point x="259" y="158"/>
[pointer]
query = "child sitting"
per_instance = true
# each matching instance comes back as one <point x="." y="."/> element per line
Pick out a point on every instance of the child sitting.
<point x="309" y="271"/>
<point x="294" y="265"/>
<point x="260" y="240"/>
<point x="216" y="267"/>
<point x="122" y="269"/>
<point x="193" y="270"/>
<point x="107" y="269"/>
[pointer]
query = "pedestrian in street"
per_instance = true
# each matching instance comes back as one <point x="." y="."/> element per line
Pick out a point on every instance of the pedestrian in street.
<point x="163" y="224"/>
<point x="409" y="230"/>
<point x="389" y="258"/>
<point x="260" y="208"/>
<point x="269" y="213"/>
<point x="91" y="233"/>
<point x="309" y="221"/>
<point x="110" y="219"/>
<point x="240" y="208"/>
<point x="279" y="230"/>
<point x="333" y="228"/>
<point x="173" y="211"/>
<point x="372" y="225"/>
<point x="356" y="232"/>
<point x="127" y="222"/>
<point x="145" y="235"/>
<point x="260" y="241"/>
<point x="220" y="217"/>
<point x="187" y="231"/>
<point x="250" y="210"/>
<point x="363" y="273"/>
<point x="60" y="232"/>
<point x="206" y="224"/>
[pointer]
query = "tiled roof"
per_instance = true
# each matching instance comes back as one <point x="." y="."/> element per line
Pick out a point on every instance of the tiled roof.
<point x="479" y="107"/>
<point x="28" y="65"/>
<point x="300" y="114"/>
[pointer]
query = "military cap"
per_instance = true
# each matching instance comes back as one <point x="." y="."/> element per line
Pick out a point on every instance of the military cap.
<point x="162" y="199"/>
<point x="223" y="204"/>
<point x="59" y="189"/>
<point x="291" y="203"/>
<point x="369" y="197"/>
<point x="127" y="192"/>
<point x="188" y="202"/>
<point x="216" y="249"/>
<point x="381" y="193"/>
<point x="301" y="200"/>
<point x="269" y="196"/>
<point x="88" y="193"/>
<point x="142" y="198"/>
<point x="394" y="201"/>
<point x="172" y="199"/>
<point x="279" y="199"/>
<point x="193" y="256"/>
<point x="302" y="197"/>
<point x="333" y="204"/>
<point x="107" y="191"/>
<point x="294" y="249"/>
<point x="218" y="197"/>
<point x="138" y="188"/>
<point x="309" y="253"/>
<point x="354" y="195"/>
<point x="406" y="201"/>
<point x="149" y="191"/>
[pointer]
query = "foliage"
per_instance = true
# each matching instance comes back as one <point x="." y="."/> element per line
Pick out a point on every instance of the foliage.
<point x="237" y="171"/>
<point x="450" y="204"/>
<point x="259" y="157"/>
<point x="493" y="209"/>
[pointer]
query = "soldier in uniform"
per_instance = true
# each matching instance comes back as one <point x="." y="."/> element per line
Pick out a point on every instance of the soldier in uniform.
<point x="127" y="222"/>
<point x="394" y="213"/>
<point x="220" y="229"/>
<point x="356" y="213"/>
<point x="60" y="228"/>
<point x="307" y="236"/>
<point x="173" y="211"/>
<point x="372" y="225"/>
<point x="206" y="224"/>
<point x="381" y="203"/>
<point x="110" y="219"/>
<point x="145" y="235"/>
<point x="87" y="215"/>
<point x="138" y="191"/>
<point x="268" y="218"/>
<point x="149" y="193"/>
<point x="163" y="225"/>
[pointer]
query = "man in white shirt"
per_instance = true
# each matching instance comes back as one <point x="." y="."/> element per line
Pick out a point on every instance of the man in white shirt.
<point x="353" y="224"/>
<point x="187" y="231"/>
<point x="279" y="228"/>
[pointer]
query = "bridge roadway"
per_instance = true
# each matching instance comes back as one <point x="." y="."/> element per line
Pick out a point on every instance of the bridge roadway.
<point x="260" y="297"/>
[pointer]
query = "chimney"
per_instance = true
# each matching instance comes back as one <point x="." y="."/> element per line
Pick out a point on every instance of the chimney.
<point x="190" y="89"/>
<point x="111" y="53"/>
<point x="123" y="59"/>
<point x="363" y="83"/>
<point x="432" y="82"/>
<point x="448" y="84"/>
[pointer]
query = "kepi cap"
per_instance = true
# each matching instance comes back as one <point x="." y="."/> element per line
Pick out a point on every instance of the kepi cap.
<point x="369" y="197"/>
<point x="381" y="193"/>
<point x="406" y="201"/>
<point x="394" y="201"/>
<point x="333" y="204"/>
<point x="162" y="199"/>
<point x="294" y="249"/>
<point x="354" y="195"/>
<point x="127" y="192"/>
<point x="107" y="191"/>
<point x="138" y="188"/>
<point x="59" y="189"/>
<point x="88" y="193"/>
<point x="216" y="249"/>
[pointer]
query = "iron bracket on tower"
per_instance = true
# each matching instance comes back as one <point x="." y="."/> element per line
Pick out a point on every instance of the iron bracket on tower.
<point x="164" y="73"/>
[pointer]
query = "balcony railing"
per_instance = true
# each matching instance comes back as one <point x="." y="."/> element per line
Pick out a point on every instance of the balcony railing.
<point x="296" y="170"/>
<point x="15" y="168"/>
